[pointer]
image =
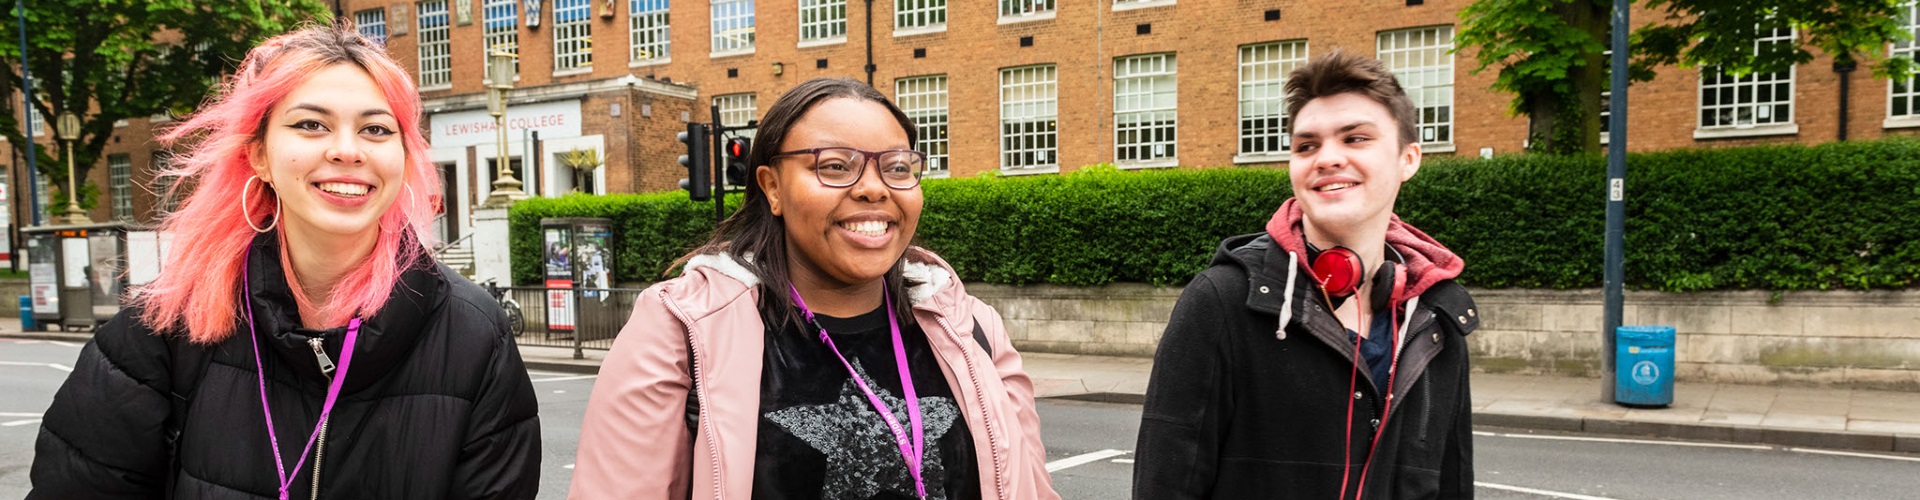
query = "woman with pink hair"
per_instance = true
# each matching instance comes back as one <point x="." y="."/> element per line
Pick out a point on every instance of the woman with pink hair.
<point x="299" y="343"/>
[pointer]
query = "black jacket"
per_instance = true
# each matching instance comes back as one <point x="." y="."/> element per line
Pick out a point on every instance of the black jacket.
<point x="436" y="403"/>
<point x="1233" y="411"/>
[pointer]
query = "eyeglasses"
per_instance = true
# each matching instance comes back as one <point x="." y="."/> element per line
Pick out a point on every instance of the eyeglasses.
<point x="841" y="167"/>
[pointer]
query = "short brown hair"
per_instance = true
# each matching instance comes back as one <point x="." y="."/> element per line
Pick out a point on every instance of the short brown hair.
<point x="1338" y="73"/>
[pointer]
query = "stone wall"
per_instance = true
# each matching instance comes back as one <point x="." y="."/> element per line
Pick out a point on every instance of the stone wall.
<point x="1850" y="338"/>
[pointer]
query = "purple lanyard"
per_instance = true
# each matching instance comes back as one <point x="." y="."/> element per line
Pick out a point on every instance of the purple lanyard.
<point x="333" y="389"/>
<point x="915" y="452"/>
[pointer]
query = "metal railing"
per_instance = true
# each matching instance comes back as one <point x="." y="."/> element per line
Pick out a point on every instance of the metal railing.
<point x="579" y="318"/>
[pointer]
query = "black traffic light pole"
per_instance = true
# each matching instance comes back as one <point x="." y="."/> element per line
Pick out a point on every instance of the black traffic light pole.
<point x="706" y="172"/>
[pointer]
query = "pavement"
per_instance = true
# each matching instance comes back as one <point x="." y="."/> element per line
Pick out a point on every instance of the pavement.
<point x="1811" y="417"/>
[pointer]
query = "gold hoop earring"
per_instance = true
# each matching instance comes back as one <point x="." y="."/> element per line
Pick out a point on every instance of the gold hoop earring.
<point x="248" y="214"/>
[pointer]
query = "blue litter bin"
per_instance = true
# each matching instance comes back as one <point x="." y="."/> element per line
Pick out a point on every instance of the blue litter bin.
<point x="1643" y="365"/>
<point x="26" y="314"/>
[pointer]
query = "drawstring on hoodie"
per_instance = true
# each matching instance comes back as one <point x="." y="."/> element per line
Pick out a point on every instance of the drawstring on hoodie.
<point x="1286" y="306"/>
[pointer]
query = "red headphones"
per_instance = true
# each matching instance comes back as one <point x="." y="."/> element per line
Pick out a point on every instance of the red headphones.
<point x="1339" y="272"/>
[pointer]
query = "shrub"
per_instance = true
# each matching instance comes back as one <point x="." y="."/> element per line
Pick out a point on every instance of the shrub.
<point x="1770" y="217"/>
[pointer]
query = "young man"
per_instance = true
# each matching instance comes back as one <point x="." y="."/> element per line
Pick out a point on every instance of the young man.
<point x="1256" y="390"/>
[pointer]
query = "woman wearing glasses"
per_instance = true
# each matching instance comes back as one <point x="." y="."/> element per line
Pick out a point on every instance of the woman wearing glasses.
<point x="809" y="351"/>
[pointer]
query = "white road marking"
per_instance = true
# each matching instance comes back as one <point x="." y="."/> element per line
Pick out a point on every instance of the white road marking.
<point x="569" y="466"/>
<point x="1629" y="441"/>
<point x="63" y="344"/>
<point x="16" y="414"/>
<point x="1123" y="460"/>
<point x="55" y="366"/>
<point x="1531" y="491"/>
<point x="1082" y="459"/>
<point x="20" y="422"/>
<point x="562" y="379"/>
<point x="1852" y="454"/>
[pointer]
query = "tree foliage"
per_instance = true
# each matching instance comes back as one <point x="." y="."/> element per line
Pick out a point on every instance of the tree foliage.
<point x="109" y="60"/>
<point x="1549" y="52"/>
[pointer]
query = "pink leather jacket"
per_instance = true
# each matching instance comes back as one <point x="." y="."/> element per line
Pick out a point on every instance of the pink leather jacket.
<point x="635" y="443"/>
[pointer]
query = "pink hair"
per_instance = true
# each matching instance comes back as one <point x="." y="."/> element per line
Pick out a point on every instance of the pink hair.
<point x="200" y="287"/>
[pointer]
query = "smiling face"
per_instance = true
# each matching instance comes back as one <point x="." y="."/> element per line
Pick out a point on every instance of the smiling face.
<point x="1348" y="164"/>
<point x="332" y="152"/>
<point x="849" y="235"/>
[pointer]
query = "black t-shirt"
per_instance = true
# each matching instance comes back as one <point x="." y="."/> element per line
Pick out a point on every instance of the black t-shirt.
<point x="819" y="436"/>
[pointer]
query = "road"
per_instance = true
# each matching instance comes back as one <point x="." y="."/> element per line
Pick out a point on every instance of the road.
<point x="1089" y="449"/>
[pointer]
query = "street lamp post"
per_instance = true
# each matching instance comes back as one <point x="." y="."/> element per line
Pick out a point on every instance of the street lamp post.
<point x="506" y="189"/>
<point x="69" y="130"/>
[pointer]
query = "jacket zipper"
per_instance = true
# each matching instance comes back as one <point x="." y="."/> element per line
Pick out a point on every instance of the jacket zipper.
<point x="999" y="467"/>
<point x="699" y="390"/>
<point x="320" y="449"/>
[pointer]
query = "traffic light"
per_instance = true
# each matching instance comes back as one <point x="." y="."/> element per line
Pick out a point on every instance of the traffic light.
<point x="698" y="183"/>
<point x="737" y="166"/>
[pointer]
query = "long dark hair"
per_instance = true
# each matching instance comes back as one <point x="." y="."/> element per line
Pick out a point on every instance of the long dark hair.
<point x="755" y="231"/>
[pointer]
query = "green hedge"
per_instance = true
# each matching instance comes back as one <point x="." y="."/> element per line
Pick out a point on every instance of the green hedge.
<point x="1771" y="217"/>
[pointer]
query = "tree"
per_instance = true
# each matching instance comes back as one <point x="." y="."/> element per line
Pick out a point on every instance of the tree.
<point x="1550" y="52"/>
<point x="109" y="60"/>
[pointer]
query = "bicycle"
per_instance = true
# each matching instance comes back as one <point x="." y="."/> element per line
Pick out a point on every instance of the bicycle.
<point x="516" y="322"/>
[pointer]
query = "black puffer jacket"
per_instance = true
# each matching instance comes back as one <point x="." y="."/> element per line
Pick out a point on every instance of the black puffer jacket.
<point x="436" y="404"/>
<point x="1233" y="411"/>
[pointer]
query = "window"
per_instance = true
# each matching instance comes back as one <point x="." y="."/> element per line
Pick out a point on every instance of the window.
<point x="572" y="35"/>
<point x="501" y="20"/>
<point x="39" y="122"/>
<point x="1263" y="99"/>
<point x="1143" y="108"/>
<point x="1029" y="106"/>
<point x="167" y="201"/>
<point x="1019" y="8"/>
<point x="823" y="20"/>
<point x="648" y="30"/>
<point x="436" y="62"/>
<point x="1421" y="59"/>
<point x="912" y="14"/>
<point x="40" y="193"/>
<point x="732" y="26"/>
<point x="120" y="185"/>
<point x="924" y="99"/>
<point x="1728" y="101"/>
<point x="1904" y="97"/>
<point x="372" y="23"/>
<point x="736" y="110"/>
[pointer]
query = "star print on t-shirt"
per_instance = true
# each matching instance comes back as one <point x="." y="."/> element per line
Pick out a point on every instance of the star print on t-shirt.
<point x="862" y="457"/>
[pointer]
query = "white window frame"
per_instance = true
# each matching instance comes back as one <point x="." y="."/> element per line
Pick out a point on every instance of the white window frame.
<point x="39" y="121"/>
<point x="500" y="27"/>
<point x="649" y="36"/>
<point x="572" y="37"/>
<point x="120" y="186"/>
<point x="1030" y="119"/>
<point x="822" y="22"/>
<point x="1903" y="95"/>
<point x="1724" y="86"/>
<point x="732" y="27"/>
<point x="434" y="48"/>
<point x="738" y="109"/>
<point x="165" y="200"/>
<point x="924" y="99"/>
<point x="1020" y="11"/>
<point x="1146" y="118"/>
<point x="372" y="23"/>
<point x="1119" y="5"/>
<point x="1263" y="100"/>
<point x="914" y="17"/>
<point x="1422" y="60"/>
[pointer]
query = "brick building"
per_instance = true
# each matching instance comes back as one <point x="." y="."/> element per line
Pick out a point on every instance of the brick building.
<point x="1015" y="86"/>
